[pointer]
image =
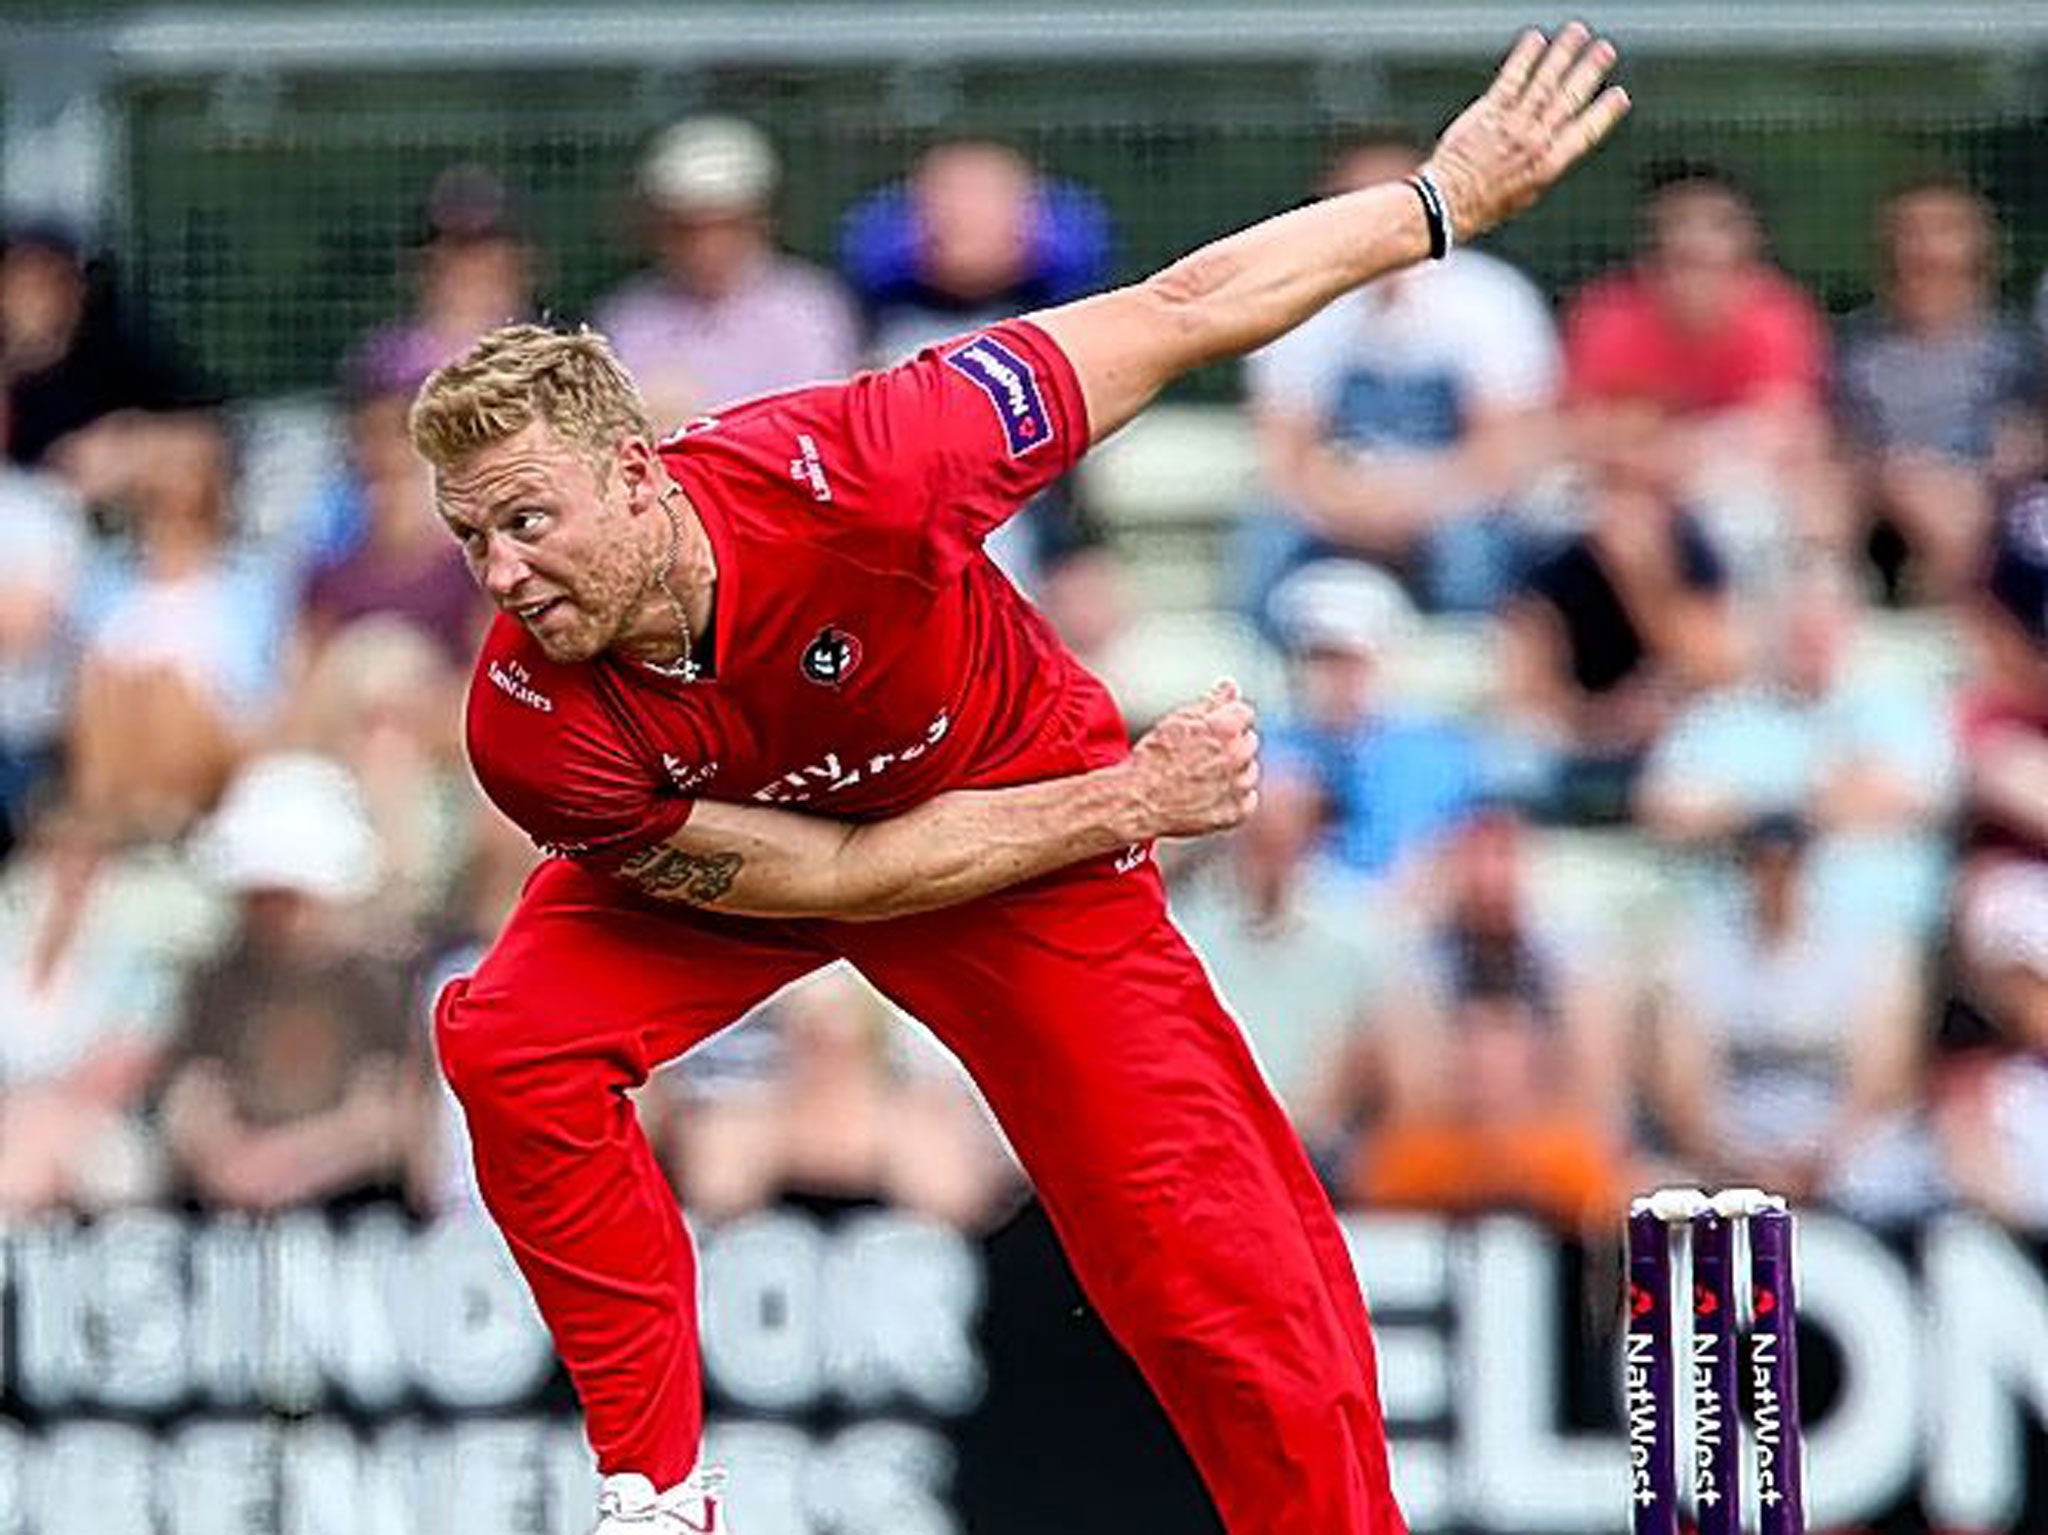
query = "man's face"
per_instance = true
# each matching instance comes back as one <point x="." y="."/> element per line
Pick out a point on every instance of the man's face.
<point x="974" y="206"/>
<point x="1937" y="234"/>
<point x="552" y="544"/>
<point x="711" y="254"/>
<point x="1336" y="686"/>
<point x="1703" y="243"/>
<point x="42" y="295"/>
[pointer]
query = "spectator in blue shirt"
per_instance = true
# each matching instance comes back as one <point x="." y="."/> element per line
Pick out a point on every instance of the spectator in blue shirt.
<point x="1393" y="780"/>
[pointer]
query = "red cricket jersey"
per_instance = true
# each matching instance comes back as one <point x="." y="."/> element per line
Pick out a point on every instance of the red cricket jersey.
<point x="867" y="653"/>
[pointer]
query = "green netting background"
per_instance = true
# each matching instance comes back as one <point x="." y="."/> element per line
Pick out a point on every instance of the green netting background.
<point x="267" y="219"/>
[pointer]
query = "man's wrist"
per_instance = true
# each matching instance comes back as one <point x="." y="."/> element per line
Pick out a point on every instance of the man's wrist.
<point x="1120" y="810"/>
<point x="1436" y="213"/>
<point x="1453" y="188"/>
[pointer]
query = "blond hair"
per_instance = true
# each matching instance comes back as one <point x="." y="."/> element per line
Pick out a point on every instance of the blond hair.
<point x="520" y="374"/>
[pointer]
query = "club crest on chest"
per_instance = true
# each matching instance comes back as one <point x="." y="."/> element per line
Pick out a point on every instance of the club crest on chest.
<point x="830" y="658"/>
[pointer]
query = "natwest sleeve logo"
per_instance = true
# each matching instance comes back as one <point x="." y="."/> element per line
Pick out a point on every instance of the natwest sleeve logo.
<point x="1011" y="386"/>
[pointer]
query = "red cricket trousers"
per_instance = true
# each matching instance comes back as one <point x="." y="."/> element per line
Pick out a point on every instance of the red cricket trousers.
<point x="1177" y="1186"/>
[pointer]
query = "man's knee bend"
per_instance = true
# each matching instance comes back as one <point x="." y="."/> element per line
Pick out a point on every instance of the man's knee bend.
<point x="469" y="1038"/>
<point x="501" y="1062"/>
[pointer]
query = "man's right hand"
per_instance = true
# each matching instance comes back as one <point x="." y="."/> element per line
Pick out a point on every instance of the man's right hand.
<point x="1197" y="770"/>
<point x="1544" y="112"/>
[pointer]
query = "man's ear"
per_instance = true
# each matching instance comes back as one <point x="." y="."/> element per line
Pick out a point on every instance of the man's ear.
<point x="639" y="470"/>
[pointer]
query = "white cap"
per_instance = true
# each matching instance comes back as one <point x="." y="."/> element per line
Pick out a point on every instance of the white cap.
<point x="709" y="165"/>
<point x="1342" y="605"/>
<point x="292" y="821"/>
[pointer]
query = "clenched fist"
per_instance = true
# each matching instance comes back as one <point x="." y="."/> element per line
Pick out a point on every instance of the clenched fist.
<point x="1544" y="112"/>
<point x="1197" y="770"/>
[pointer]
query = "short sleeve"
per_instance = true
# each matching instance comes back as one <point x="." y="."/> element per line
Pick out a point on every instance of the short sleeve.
<point x="573" y="785"/>
<point x="966" y="432"/>
<point x="1791" y="343"/>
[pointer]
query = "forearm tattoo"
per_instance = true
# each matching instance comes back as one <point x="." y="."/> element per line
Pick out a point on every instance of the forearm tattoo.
<point x="673" y="875"/>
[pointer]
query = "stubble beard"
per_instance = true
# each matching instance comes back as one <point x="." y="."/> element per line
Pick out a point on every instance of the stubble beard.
<point x="604" y="604"/>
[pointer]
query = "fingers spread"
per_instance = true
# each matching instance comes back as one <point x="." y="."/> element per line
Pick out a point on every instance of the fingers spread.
<point x="1583" y="83"/>
<point x="1585" y="132"/>
<point x="1513" y="78"/>
<point x="1556" y="62"/>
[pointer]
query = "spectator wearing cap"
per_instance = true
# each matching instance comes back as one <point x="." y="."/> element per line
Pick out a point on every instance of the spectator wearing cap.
<point x="722" y="313"/>
<point x="2005" y="707"/>
<point x="473" y="272"/>
<point x="1705" y="325"/>
<point x="1392" y="780"/>
<point x="1939" y="393"/>
<point x="1811" y="730"/>
<point x="1615" y="626"/>
<point x="68" y="359"/>
<point x="1786" y="1043"/>
<point x="1404" y="422"/>
<point x="295" y="1076"/>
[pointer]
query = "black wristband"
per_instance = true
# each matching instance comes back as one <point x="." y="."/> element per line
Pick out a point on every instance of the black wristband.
<point x="1436" y="213"/>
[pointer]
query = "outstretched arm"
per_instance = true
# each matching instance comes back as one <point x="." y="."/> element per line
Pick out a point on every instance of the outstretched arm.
<point x="1195" y="772"/>
<point x="1544" y="112"/>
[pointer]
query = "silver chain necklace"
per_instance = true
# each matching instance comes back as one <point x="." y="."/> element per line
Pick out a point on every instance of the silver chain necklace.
<point x="684" y="669"/>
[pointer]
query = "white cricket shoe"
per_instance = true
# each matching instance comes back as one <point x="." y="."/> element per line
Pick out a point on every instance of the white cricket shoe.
<point x="629" y="1505"/>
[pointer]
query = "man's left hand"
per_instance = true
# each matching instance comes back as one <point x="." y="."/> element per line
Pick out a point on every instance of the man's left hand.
<point x="1197" y="770"/>
<point x="1544" y="112"/>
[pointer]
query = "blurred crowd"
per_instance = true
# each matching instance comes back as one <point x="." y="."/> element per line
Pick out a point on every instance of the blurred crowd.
<point x="1705" y="881"/>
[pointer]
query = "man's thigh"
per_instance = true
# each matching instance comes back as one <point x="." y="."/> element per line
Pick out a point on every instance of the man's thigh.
<point x="585" y="964"/>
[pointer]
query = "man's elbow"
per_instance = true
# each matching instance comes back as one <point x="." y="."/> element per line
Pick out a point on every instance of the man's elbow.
<point x="1181" y="306"/>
